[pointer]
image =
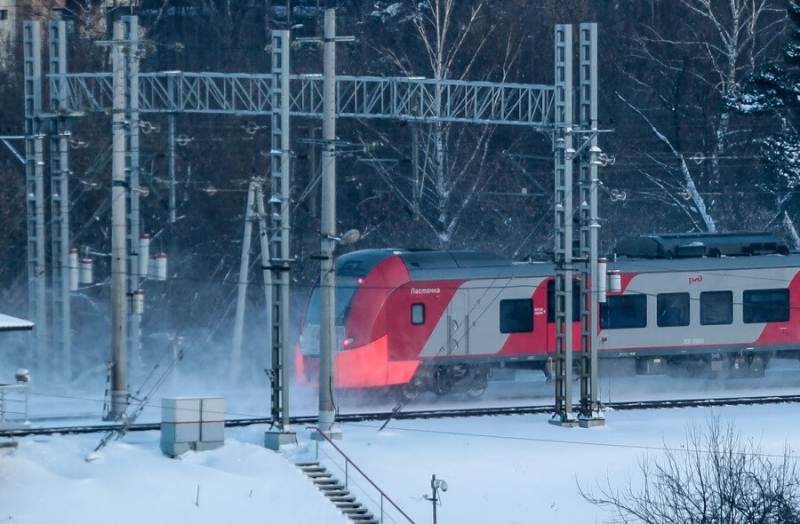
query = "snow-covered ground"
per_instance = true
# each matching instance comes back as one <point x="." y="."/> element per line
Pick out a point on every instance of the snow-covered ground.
<point x="498" y="469"/>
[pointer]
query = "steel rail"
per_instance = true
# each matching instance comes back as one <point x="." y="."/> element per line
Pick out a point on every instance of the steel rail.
<point x="423" y="414"/>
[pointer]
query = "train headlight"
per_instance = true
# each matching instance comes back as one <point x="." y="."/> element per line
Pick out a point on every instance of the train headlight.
<point x="347" y="343"/>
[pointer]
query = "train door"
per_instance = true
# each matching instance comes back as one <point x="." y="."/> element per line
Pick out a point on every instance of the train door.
<point x="458" y="324"/>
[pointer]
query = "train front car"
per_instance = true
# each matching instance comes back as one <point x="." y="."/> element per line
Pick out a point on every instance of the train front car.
<point x="364" y="281"/>
<point x="430" y="321"/>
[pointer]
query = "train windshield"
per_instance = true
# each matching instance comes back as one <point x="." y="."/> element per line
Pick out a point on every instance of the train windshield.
<point x="345" y="289"/>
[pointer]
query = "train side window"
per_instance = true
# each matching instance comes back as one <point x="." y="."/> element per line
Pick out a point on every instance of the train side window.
<point x="672" y="309"/>
<point x="417" y="314"/>
<point x="716" y="307"/>
<point x="624" y="311"/>
<point x="516" y="316"/>
<point x="765" y="305"/>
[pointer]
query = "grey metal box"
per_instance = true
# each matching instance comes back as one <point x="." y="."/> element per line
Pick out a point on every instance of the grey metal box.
<point x="180" y="419"/>
<point x="212" y="419"/>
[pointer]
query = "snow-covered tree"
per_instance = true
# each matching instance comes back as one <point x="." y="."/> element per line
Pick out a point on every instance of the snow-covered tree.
<point x="774" y="89"/>
<point x="450" y="163"/>
<point x="681" y="69"/>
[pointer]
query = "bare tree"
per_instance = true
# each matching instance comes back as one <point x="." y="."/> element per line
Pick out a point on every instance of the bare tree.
<point x="451" y="163"/>
<point x="715" y="477"/>
<point x="689" y="68"/>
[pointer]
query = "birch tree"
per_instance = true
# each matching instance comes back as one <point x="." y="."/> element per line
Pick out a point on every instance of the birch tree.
<point x="689" y="68"/>
<point x="450" y="163"/>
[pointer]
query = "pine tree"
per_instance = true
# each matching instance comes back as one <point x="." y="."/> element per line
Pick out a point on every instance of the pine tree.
<point x="775" y="88"/>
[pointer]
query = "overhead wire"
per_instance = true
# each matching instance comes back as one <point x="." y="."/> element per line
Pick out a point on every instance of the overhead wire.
<point x="566" y="442"/>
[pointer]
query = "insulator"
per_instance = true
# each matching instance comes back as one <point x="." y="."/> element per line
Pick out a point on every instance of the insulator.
<point x="86" y="271"/>
<point x="144" y="254"/>
<point x="615" y="281"/>
<point x="602" y="268"/>
<point x="74" y="275"/>
<point x="137" y="302"/>
<point x="158" y="271"/>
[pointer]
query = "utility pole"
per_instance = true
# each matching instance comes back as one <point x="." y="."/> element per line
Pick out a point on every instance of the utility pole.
<point x="171" y="153"/>
<point x="253" y="193"/>
<point x="133" y="229"/>
<point x="119" y="256"/>
<point x="172" y="205"/>
<point x="327" y="336"/>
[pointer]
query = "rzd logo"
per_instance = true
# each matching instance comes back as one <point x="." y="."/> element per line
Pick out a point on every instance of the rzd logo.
<point x="696" y="280"/>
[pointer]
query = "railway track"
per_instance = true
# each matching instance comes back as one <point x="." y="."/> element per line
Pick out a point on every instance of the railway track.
<point x="417" y="414"/>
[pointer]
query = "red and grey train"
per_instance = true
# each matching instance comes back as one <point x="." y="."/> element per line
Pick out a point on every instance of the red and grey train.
<point x="441" y="321"/>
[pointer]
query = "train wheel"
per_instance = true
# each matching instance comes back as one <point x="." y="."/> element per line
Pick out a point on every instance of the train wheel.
<point x="477" y="390"/>
<point x="480" y="381"/>
<point x="412" y="390"/>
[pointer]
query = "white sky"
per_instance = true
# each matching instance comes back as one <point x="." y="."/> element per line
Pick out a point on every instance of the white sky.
<point x="499" y="469"/>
